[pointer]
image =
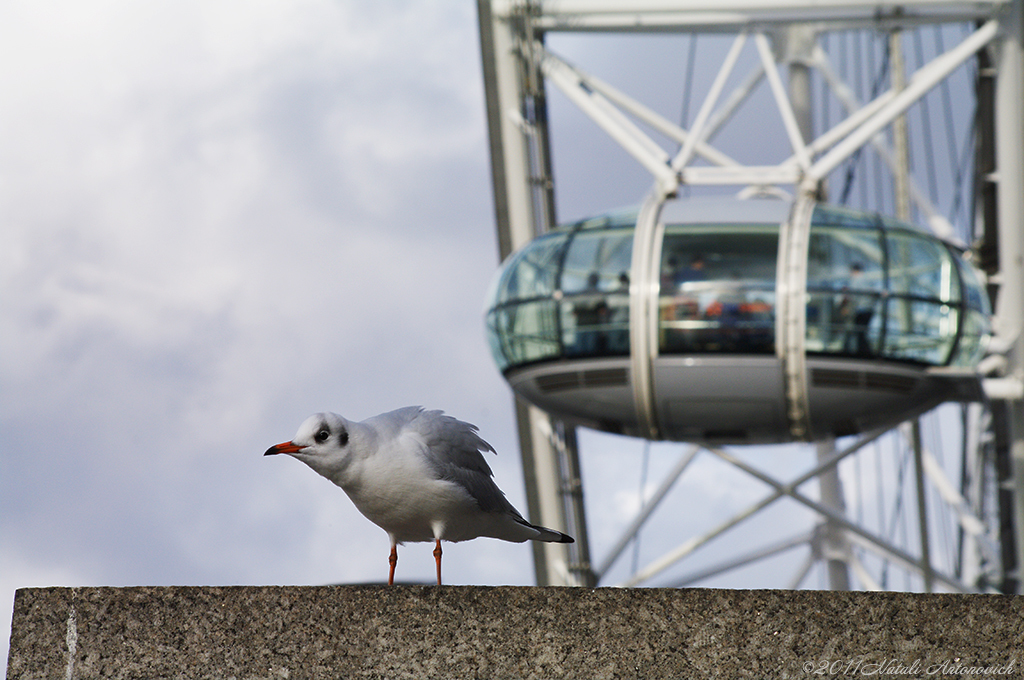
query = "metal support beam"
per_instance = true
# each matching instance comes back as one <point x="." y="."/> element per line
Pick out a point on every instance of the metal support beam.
<point x="524" y="208"/>
<point x="649" y="506"/>
<point x="789" y="122"/>
<point x="734" y="15"/>
<point x="697" y="130"/>
<point x="510" y="164"/>
<point x="901" y="153"/>
<point x="927" y="77"/>
<point x="554" y="497"/>
<point x="745" y="559"/>
<point x="922" y="505"/>
<point x="791" y="319"/>
<point x="856" y="112"/>
<point x="1009" y="113"/>
<point x="798" y="44"/>
<point x="643" y="310"/>
<point x="644" y="113"/>
<point x="689" y="546"/>
<point x="613" y="122"/>
<point x="563" y="438"/>
<point x="835" y="548"/>
<point x="888" y="549"/>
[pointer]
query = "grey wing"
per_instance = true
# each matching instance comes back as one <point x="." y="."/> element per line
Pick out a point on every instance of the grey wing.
<point x="454" y="451"/>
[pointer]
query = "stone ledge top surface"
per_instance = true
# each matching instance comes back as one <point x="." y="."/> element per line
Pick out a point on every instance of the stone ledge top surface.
<point x="508" y="632"/>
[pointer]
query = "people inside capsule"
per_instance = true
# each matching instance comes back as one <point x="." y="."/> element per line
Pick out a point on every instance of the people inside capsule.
<point x="693" y="272"/>
<point x="855" y="312"/>
<point x="618" y="305"/>
<point x="591" y="313"/>
<point x="681" y="303"/>
<point x="712" y="308"/>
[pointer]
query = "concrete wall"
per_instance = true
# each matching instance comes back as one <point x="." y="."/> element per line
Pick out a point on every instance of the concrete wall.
<point x="508" y="632"/>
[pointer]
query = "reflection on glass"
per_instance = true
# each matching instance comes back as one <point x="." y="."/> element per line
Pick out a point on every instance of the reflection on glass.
<point x="595" y="289"/>
<point x="976" y="328"/>
<point x="845" y="280"/>
<point x="532" y="272"/>
<point x="717" y="289"/>
<point x="919" y="330"/>
<point x="596" y="260"/>
<point x="596" y="323"/>
<point x="843" y="323"/>
<point x="920" y="267"/>
<point x="845" y="259"/>
<point x="565" y="294"/>
<point x="524" y="333"/>
<point x="836" y="216"/>
<point x="901" y="297"/>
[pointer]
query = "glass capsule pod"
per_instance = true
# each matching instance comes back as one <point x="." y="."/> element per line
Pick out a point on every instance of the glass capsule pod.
<point x="689" y="346"/>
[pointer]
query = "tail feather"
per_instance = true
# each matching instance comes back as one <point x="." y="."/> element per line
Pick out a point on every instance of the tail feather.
<point x="546" y="535"/>
<point x="552" y="536"/>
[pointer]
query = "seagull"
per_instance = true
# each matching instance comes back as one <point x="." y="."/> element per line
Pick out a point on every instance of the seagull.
<point x="419" y="475"/>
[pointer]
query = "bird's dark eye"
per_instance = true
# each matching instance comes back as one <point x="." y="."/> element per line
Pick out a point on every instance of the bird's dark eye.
<point x="322" y="436"/>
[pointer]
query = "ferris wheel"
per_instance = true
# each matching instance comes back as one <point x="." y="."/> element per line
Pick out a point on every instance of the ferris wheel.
<point x="822" y="285"/>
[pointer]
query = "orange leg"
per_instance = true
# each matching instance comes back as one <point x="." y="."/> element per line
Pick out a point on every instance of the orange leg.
<point x="392" y="560"/>
<point x="437" y="556"/>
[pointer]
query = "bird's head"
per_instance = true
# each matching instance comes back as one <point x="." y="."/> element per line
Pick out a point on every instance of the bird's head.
<point x="322" y="443"/>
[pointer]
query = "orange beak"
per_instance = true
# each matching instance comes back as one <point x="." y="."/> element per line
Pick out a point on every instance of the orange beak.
<point x="286" y="447"/>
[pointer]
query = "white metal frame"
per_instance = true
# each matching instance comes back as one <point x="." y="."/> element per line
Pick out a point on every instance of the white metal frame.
<point x="864" y="537"/>
<point x="514" y="54"/>
<point x="600" y="102"/>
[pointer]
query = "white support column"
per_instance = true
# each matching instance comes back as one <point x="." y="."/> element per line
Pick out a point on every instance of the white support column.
<point x="798" y="43"/>
<point x="643" y="310"/>
<point x="544" y="494"/>
<point x="1009" y="107"/>
<point x="791" y="319"/>
<point x="901" y="172"/>
<point x="835" y="547"/>
<point x="522" y="209"/>
<point x="510" y="164"/>
<point x="922" y="505"/>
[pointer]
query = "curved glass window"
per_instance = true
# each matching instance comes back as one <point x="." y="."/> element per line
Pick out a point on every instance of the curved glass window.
<point x="879" y="288"/>
<point x="976" y="322"/>
<point x="566" y="294"/>
<point x="876" y="289"/>
<point x="924" y="311"/>
<point x="595" y="293"/>
<point x="523" y="319"/>
<point x="532" y="272"/>
<point x="845" y="285"/>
